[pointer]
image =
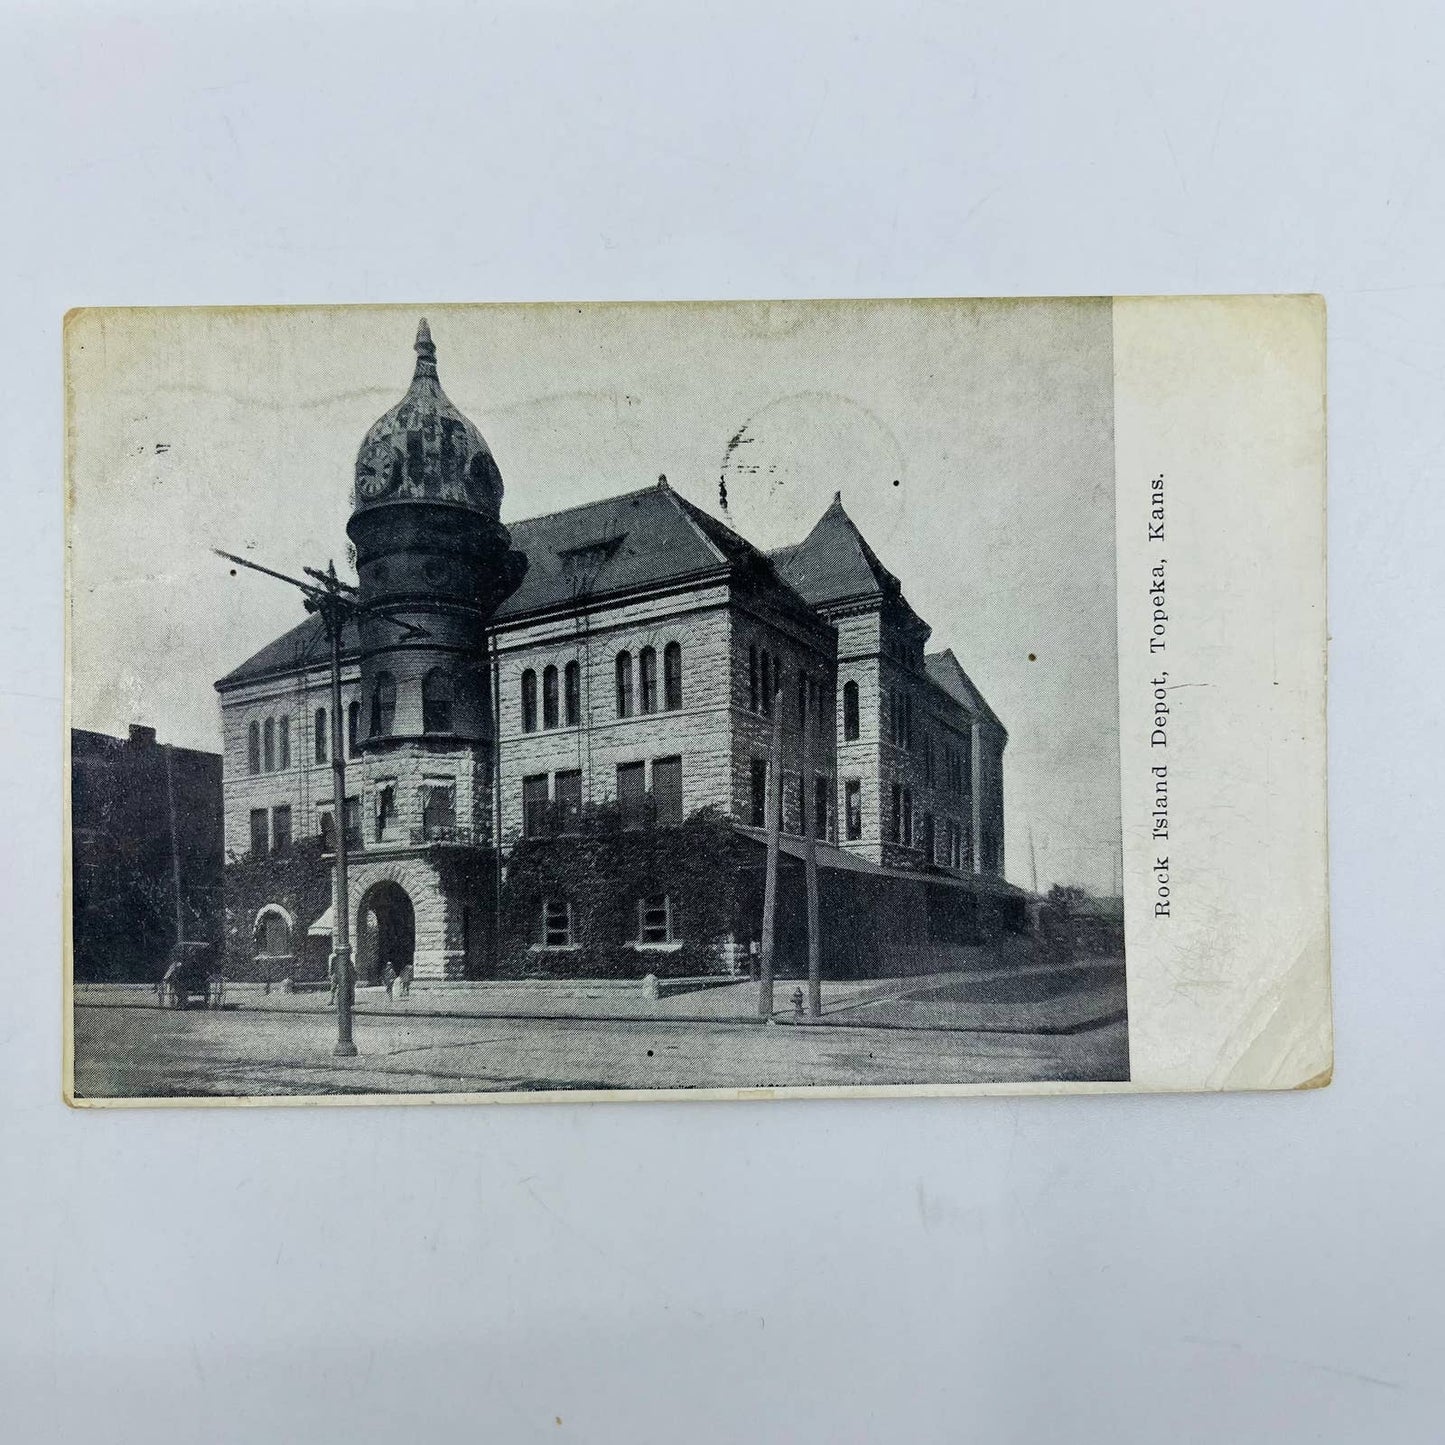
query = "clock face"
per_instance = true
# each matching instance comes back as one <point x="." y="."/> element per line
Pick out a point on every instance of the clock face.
<point x="375" y="471"/>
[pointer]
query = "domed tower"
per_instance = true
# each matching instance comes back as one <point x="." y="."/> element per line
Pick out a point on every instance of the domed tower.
<point x="431" y="552"/>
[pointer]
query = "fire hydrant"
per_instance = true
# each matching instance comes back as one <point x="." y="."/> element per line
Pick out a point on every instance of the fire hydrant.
<point x="798" y="1004"/>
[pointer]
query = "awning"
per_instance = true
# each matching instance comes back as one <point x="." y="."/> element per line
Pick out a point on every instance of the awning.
<point x="322" y="927"/>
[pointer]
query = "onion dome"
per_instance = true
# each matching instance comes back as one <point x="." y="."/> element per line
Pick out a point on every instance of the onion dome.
<point x="425" y="450"/>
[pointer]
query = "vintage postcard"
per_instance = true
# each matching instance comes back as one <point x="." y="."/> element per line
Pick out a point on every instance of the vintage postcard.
<point x="699" y="700"/>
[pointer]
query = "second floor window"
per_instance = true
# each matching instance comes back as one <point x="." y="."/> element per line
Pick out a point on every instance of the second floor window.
<point x="632" y="792"/>
<point x="534" y="805"/>
<point x="569" y="798"/>
<point x="853" y="804"/>
<point x="624" y="684"/>
<point x="438" y="810"/>
<point x="253" y="748"/>
<point x="753" y="683"/>
<point x="759" y="800"/>
<point x="383" y="705"/>
<point x="437" y="698"/>
<point x="529" y="701"/>
<point x="647" y="677"/>
<point x="319" y="738"/>
<point x="281" y="828"/>
<point x="549" y="698"/>
<point x="821" y="790"/>
<point x="850" y="712"/>
<point x="268" y="744"/>
<point x="667" y="789"/>
<point x="385" y="811"/>
<point x="353" y="728"/>
<point x="260" y="833"/>
<point x="283" y="742"/>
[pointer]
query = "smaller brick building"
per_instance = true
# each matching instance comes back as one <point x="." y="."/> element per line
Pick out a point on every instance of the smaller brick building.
<point x="145" y="852"/>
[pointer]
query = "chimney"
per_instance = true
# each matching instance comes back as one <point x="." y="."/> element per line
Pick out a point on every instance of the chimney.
<point x="141" y="737"/>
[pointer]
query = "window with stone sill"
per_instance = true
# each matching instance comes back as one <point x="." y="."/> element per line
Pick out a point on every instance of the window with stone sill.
<point x="556" y="923"/>
<point x="654" y="921"/>
<point x="385" y="812"/>
<point x="438" y="811"/>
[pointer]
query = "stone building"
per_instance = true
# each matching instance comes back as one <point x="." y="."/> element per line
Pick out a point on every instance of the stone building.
<point x="621" y="661"/>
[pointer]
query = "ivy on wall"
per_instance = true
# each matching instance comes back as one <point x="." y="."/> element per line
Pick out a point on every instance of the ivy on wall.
<point x="604" y="869"/>
<point x="300" y="881"/>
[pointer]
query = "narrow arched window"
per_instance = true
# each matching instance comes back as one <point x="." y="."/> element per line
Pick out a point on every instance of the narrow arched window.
<point x="767" y="684"/>
<point x="437" y="696"/>
<point x="320" y="739"/>
<point x="672" y="676"/>
<point x="549" y="697"/>
<point x="383" y="704"/>
<point x="753" y="678"/>
<point x="850" y="712"/>
<point x="624" y="684"/>
<point x="529" y="701"/>
<point x="268" y="743"/>
<point x="572" y="691"/>
<point x="283" y="742"/>
<point x="353" y="728"/>
<point x="647" y="676"/>
<point x="253" y="748"/>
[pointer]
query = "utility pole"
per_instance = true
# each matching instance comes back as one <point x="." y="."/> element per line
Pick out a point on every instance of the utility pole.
<point x="774" y="820"/>
<point x="808" y="798"/>
<point x="1033" y="867"/>
<point x="336" y="603"/>
<point x="175" y="846"/>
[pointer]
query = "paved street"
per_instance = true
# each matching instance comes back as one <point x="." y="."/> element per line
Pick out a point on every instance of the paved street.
<point x="148" y="1052"/>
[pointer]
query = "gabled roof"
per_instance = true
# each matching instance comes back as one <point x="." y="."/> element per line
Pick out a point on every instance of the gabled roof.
<point x="946" y="671"/>
<point x="834" y="562"/>
<point x="640" y="539"/>
<point x="299" y="650"/>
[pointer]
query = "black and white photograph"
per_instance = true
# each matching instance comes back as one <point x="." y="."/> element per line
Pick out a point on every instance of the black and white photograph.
<point x="577" y="699"/>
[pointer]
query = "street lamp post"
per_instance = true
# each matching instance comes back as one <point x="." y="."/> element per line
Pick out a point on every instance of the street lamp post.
<point x="333" y="617"/>
<point x="336" y="603"/>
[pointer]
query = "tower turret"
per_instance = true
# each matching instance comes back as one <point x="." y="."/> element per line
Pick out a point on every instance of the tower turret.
<point x="431" y="552"/>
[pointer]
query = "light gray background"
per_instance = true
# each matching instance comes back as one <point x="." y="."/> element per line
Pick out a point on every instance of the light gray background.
<point x="1113" y="1270"/>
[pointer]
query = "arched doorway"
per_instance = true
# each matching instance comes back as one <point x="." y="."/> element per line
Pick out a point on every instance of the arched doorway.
<point x="386" y="931"/>
<point x="272" y="939"/>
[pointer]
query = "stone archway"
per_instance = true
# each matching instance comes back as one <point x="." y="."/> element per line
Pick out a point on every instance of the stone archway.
<point x="274" y="944"/>
<point x="386" y="931"/>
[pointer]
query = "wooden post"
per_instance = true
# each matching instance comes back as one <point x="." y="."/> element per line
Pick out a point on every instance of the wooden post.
<point x="775" y="823"/>
<point x="810" y="871"/>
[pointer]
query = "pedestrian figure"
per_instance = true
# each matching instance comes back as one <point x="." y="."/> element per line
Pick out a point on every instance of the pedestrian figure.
<point x="406" y="976"/>
<point x="798" y="1004"/>
<point x="388" y="977"/>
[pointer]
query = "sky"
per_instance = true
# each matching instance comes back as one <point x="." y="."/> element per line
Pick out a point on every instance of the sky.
<point x="972" y="442"/>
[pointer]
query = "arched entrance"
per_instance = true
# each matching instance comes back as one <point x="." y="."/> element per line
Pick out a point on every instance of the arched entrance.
<point x="272" y="938"/>
<point x="386" y="931"/>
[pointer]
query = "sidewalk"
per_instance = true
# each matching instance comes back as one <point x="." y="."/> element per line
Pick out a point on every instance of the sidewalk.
<point x="1035" y="999"/>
